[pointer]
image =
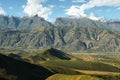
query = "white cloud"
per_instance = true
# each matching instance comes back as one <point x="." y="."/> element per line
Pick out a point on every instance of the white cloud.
<point x="2" y="12"/>
<point x="61" y="6"/>
<point x="51" y="6"/>
<point x="75" y="11"/>
<point x="118" y="8"/>
<point x="23" y="6"/>
<point x="78" y="1"/>
<point x="34" y="7"/>
<point x="35" y="1"/>
<point x="62" y="0"/>
<point x="11" y="8"/>
<point x="79" y="11"/>
<point x="93" y="17"/>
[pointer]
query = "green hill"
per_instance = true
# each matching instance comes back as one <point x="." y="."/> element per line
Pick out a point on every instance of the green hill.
<point x="84" y="65"/>
<point x="72" y="77"/>
<point x="22" y="70"/>
<point x="52" y="54"/>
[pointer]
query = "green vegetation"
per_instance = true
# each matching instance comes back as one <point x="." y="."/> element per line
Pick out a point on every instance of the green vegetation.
<point x="72" y="77"/>
<point x="4" y="75"/>
<point x="51" y="54"/>
<point x="53" y="64"/>
<point x="22" y="70"/>
<point x="83" y="65"/>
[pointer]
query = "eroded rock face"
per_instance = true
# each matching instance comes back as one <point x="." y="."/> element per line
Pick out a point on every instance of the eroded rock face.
<point x="68" y="38"/>
<point x="67" y="33"/>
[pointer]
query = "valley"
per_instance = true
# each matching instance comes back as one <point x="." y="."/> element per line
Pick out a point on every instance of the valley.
<point x="32" y="48"/>
<point x="65" y="66"/>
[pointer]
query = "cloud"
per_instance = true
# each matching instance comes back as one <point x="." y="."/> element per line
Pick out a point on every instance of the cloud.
<point x="118" y="8"/>
<point x="93" y="17"/>
<point x="2" y="12"/>
<point x="23" y="6"/>
<point x="81" y="1"/>
<point x="62" y="0"/>
<point x="35" y="1"/>
<point x="11" y="8"/>
<point x="35" y="7"/>
<point x="51" y="6"/>
<point x="75" y="11"/>
<point x="61" y="6"/>
<point x="79" y="11"/>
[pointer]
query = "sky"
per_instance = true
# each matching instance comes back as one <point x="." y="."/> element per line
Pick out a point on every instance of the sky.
<point x="51" y="9"/>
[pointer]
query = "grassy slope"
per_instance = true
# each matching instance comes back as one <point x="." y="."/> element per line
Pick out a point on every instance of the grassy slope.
<point x="83" y="65"/>
<point x="51" y="54"/>
<point x="23" y="70"/>
<point x="72" y="77"/>
<point x="5" y="76"/>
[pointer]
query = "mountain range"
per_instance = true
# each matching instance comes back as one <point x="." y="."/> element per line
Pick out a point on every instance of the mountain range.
<point x="25" y="22"/>
<point x="35" y="21"/>
<point x="71" y="34"/>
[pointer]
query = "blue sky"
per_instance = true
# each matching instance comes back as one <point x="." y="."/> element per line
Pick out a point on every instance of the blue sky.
<point x="51" y="9"/>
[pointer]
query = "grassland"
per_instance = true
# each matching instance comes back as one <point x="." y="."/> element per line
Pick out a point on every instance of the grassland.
<point x="72" y="77"/>
<point x="83" y="65"/>
<point x="78" y="66"/>
<point x="5" y="76"/>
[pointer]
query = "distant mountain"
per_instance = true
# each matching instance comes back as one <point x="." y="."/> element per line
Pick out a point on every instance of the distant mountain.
<point x="85" y="22"/>
<point x="79" y="22"/>
<point x="32" y="22"/>
<point x="25" y="22"/>
<point x="8" y="22"/>
<point x="114" y="24"/>
<point x="20" y="70"/>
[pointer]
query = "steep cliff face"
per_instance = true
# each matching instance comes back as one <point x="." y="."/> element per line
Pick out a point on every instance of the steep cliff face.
<point x="67" y="33"/>
<point x="80" y="38"/>
<point x="68" y="38"/>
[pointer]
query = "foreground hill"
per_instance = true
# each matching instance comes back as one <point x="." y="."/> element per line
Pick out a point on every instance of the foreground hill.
<point x="72" y="77"/>
<point x="20" y="70"/>
<point x="53" y="64"/>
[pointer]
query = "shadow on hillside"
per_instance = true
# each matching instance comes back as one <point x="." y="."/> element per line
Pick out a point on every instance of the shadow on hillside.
<point x="23" y="70"/>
